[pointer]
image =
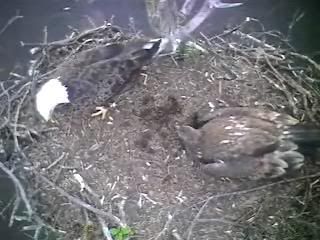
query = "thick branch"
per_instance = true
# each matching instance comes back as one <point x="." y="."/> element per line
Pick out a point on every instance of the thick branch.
<point x="201" y="16"/>
<point x="187" y="7"/>
<point x="219" y="4"/>
<point x="195" y="22"/>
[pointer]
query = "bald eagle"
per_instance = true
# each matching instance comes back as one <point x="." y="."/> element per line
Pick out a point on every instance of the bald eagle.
<point x="242" y="142"/>
<point x="94" y="76"/>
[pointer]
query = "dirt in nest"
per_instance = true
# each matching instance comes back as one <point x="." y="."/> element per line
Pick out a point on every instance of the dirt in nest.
<point x="138" y="158"/>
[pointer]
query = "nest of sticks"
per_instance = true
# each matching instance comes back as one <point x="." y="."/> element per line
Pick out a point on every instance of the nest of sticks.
<point x="263" y="57"/>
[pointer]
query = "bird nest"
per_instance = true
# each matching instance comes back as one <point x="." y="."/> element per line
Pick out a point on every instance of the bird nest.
<point x="83" y="178"/>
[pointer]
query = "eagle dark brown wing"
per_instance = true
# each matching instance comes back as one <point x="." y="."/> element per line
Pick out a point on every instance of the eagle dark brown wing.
<point x="100" y="73"/>
<point x="94" y="76"/>
<point x="243" y="142"/>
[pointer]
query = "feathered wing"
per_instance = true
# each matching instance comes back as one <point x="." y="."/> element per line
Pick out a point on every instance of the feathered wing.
<point x="87" y="57"/>
<point x="244" y="142"/>
<point x="95" y="75"/>
<point x="256" y="154"/>
<point x="107" y="77"/>
<point x="111" y="54"/>
<point x="263" y="114"/>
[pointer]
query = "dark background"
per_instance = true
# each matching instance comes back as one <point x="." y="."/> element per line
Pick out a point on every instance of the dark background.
<point x="274" y="14"/>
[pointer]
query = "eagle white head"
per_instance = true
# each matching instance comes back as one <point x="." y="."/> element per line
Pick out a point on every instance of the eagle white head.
<point x="52" y="93"/>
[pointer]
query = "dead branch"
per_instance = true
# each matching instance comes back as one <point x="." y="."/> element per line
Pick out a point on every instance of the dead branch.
<point x="257" y="41"/>
<point x="21" y="191"/>
<point x="81" y="203"/>
<point x="104" y="227"/>
<point x="176" y="235"/>
<point x="222" y="195"/>
<point x="164" y="19"/>
<point x="187" y="7"/>
<point x="15" y="122"/>
<point x="56" y="161"/>
<point x="207" y="8"/>
<point x="165" y="228"/>
<point x="10" y="22"/>
<point x="307" y="59"/>
<point x="7" y="118"/>
<point x="75" y="38"/>
<point x="122" y="213"/>
<point x="21" y="194"/>
<point x="196" y="218"/>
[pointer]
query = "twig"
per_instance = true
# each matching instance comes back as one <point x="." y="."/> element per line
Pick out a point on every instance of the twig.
<point x="20" y="188"/>
<point x="256" y="40"/>
<point x="9" y="203"/>
<point x="232" y="30"/>
<point x="267" y="186"/>
<point x="83" y="204"/>
<point x="207" y="201"/>
<point x="45" y="34"/>
<point x="176" y="235"/>
<point x="15" y="208"/>
<point x="6" y="91"/>
<point x="293" y="84"/>
<point x="7" y="119"/>
<point x="105" y="229"/>
<point x="85" y="186"/>
<point x="15" y="180"/>
<point x="56" y="161"/>
<point x="220" y="220"/>
<point x="90" y="21"/>
<point x="69" y="41"/>
<point x="166" y="226"/>
<point x="282" y="87"/>
<point x="15" y="123"/>
<point x="194" y="221"/>
<point x="195" y="22"/>
<point x="10" y="21"/>
<point x="41" y="224"/>
<point x="187" y="7"/>
<point x="306" y="58"/>
<point x="121" y="211"/>
<point x="104" y="226"/>
<point x="297" y="16"/>
<point x="305" y="93"/>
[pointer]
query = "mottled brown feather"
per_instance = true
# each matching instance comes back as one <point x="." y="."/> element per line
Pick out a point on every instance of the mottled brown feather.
<point x="243" y="142"/>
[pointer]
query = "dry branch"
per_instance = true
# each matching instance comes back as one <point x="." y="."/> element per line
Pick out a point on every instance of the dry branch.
<point x="81" y="203"/>
<point x="21" y="195"/>
<point x="223" y="195"/>
<point x="10" y="22"/>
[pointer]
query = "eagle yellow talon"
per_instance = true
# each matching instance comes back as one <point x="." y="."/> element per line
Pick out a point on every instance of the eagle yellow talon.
<point x="100" y="111"/>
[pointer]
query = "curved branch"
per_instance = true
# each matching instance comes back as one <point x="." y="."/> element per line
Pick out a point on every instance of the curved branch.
<point x="163" y="17"/>
<point x="187" y="7"/>
<point x="205" y="11"/>
<point x="219" y="4"/>
<point x="183" y="32"/>
<point x="18" y="184"/>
